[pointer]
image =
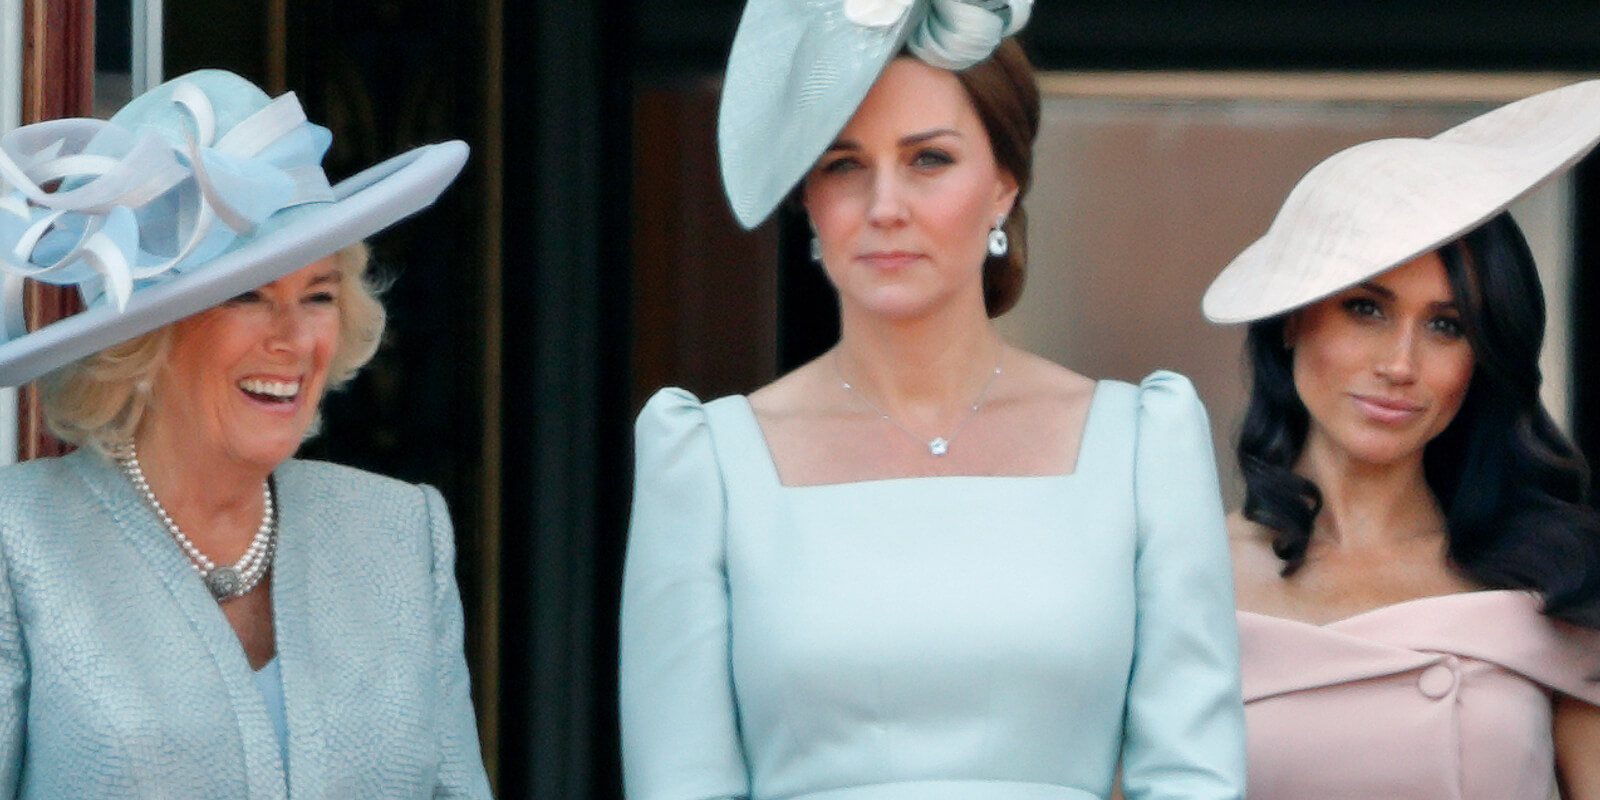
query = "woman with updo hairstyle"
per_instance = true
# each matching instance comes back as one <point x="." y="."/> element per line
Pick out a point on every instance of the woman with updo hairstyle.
<point x="926" y="564"/>
<point x="1002" y="90"/>
<point x="186" y="609"/>
<point x="1418" y="567"/>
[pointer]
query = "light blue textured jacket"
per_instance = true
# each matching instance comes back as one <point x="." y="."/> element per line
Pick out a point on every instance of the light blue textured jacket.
<point x="121" y="678"/>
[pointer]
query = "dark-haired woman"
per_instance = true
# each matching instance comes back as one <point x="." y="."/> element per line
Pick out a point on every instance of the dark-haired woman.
<point x="926" y="565"/>
<point x="1417" y="573"/>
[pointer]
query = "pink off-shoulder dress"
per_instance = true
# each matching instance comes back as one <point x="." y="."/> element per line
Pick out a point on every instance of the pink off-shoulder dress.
<point x="1440" y="698"/>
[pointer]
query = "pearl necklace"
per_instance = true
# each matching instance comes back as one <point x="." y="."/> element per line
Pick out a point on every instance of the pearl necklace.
<point x="225" y="582"/>
<point x="938" y="445"/>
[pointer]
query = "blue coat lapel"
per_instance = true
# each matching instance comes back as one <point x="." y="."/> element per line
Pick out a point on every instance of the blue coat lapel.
<point x="299" y="530"/>
<point x="145" y="533"/>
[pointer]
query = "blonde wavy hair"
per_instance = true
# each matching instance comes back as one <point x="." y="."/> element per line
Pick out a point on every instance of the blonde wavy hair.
<point x="99" y="401"/>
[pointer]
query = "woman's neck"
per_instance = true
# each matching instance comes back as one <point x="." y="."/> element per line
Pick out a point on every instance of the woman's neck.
<point x="212" y="498"/>
<point x="1367" y="505"/>
<point x="919" y="368"/>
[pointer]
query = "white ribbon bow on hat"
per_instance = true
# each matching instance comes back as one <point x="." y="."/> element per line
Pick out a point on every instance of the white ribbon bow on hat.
<point x="953" y="34"/>
<point x="103" y="232"/>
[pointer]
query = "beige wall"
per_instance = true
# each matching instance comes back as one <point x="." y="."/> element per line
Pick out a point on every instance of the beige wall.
<point x="1146" y="186"/>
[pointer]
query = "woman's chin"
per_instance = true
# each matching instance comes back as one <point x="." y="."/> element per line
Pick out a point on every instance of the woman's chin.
<point x="266" y="449"/>
<point x="898" y="304"/>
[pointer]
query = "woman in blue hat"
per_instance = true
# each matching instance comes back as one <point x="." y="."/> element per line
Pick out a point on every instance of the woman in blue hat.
<point x="185" y="609"/>
<point x="927" y="564"/>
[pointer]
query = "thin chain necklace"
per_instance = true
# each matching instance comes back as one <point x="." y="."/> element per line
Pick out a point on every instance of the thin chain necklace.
<point x="225" y="582"/>
<point x="938" y="445"/>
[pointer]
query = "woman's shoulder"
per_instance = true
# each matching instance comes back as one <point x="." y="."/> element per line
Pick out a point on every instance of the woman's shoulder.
<point x="673" y="414"/>
<point x="50" y="491"/>
<point x="1042" y="377"/>
<point x="1161" y="392"/>
<point x="1168" y="392"/>
<point x="337" y="485"/>
<point x="1256" y="566"/>
<point x="40" y="472"/>
<point x="797" y="392"/>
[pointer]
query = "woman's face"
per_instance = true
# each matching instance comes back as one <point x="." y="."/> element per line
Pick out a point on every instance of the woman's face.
<point x="1382" y="367"/>
<point x="243" y="379"/>
<point x="903" y="201"/>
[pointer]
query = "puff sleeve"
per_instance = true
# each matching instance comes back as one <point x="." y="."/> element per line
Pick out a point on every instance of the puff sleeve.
<point x="680" y="735"/>
<point x="1184" y="727"/>
<point x="461" y="773"/>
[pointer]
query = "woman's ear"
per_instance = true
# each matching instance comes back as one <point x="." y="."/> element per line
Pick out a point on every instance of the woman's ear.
<point x="1006" y="198"/>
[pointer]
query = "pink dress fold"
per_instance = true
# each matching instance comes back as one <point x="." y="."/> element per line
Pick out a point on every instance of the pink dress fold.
<point x="1439" y="698"/>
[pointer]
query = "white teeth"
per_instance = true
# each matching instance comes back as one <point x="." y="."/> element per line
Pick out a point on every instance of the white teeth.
<point x="279" y="389"/>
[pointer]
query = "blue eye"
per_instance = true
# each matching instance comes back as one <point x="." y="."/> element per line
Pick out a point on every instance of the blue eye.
<point x="246" y="297"/>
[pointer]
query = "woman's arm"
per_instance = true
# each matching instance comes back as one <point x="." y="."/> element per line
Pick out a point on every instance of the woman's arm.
<point x="461" y="773"/>
<point x="1184" y="727"/>
<point x="680" y="732"/>
<point x="1577" y="739"/>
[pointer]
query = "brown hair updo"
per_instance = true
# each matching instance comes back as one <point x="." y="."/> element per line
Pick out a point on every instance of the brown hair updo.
<point x="1006" y="96"/>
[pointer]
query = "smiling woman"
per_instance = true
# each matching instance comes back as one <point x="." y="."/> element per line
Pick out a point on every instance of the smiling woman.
<point x="1415" y="534"/>
<point x="100" y="401"/>
<point x="1382" y="367"/>
<point x="281" y="627"/>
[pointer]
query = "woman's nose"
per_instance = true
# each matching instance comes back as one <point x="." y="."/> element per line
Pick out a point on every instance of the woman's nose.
<point x="289" y="329"/>
<point x="1397" y="361"/>
<point x="888" y="202"/>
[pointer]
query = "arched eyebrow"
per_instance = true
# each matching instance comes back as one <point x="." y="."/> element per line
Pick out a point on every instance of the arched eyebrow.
<point x="1388" y="294"/>
<point x="332" y="276"/>
<point x="909" y="140"/>
<point x="1377" y="289"/>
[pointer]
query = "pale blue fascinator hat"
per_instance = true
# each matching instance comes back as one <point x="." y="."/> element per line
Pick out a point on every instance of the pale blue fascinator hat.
<point x="800" y="68"/>
<point x="1372" y="207"/>
<point x="197" y="191"/>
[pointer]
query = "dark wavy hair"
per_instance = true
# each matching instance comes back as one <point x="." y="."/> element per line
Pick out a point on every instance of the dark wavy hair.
<point x="1513" y="489"/>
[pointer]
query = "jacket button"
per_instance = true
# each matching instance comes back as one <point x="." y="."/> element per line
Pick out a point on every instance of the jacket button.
<point x="1438" y="680"/>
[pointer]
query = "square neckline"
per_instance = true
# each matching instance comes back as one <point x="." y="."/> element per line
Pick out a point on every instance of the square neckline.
<point x="770" y="464"/>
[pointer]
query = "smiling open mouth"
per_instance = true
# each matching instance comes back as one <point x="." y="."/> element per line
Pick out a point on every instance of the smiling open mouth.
<point x="270" y="391"/>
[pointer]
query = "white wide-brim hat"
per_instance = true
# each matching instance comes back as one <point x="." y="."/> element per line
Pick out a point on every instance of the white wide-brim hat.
<point x="197" y="191"/>
<point x="800" y="68"/>
<point x="1380" y="204"/>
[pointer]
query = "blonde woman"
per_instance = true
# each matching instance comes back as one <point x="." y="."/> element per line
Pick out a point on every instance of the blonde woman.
<point x="185" y="609"/>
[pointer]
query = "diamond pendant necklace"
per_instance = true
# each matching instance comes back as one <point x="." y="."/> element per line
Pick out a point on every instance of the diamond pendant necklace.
<point x="224" y="581"/>
<point x="938" y="445"/>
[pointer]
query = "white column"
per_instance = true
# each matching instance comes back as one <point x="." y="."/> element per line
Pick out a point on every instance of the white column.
<point x="146" y="50"/>
<point x="10" y="117"/>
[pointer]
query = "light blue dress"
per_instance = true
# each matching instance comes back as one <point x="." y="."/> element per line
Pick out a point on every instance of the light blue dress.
<point x="981" y="638"/>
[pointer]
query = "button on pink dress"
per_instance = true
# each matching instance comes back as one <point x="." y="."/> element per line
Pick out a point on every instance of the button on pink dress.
<point x="1440" y="698"/>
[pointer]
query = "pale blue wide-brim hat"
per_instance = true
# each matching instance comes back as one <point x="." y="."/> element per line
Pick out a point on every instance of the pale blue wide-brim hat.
<point x="1372" y="207"/>
<point x="800" y="68"/>
<point x="195" y="192"/>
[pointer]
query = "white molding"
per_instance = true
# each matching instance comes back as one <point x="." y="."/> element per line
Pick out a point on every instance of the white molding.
<point x="10" y="117"/>
<point x="145" y="50"/>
